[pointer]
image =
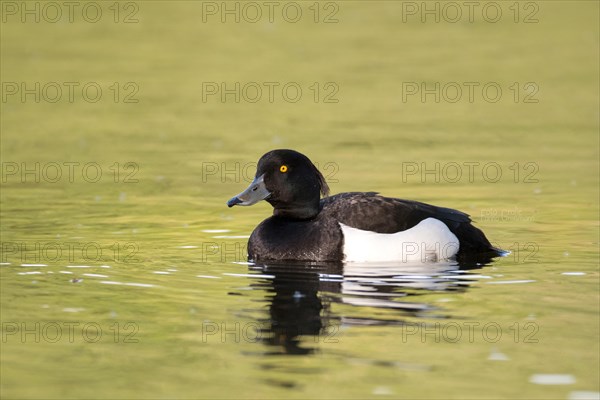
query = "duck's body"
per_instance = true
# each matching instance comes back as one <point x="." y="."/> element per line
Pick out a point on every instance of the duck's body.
<point x="355" y="226"/>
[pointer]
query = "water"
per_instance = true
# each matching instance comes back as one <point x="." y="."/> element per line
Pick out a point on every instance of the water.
<point x="135" y="284"/>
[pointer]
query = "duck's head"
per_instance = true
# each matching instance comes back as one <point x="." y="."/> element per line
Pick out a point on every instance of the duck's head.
<point x="289" y="181"/>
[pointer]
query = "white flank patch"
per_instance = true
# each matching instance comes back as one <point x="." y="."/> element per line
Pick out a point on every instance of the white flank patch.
<point x="429" y="240"/>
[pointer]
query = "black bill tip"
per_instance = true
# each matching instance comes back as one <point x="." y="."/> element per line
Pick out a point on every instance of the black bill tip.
<point x="233" y="201"/>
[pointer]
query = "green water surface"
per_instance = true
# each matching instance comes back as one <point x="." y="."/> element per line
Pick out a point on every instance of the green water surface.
<point x="132" y="283"/>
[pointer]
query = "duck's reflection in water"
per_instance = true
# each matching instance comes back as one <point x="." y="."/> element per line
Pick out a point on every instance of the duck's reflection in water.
<point x="300" y="297"/>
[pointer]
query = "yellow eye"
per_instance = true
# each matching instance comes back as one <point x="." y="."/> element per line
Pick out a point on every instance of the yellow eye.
<point x="283" y="168"/>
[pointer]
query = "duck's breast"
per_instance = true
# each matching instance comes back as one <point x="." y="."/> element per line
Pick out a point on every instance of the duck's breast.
<point x="310" y="240"/>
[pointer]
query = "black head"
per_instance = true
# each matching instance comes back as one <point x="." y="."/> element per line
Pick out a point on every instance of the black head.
<point x="289" y="181"/>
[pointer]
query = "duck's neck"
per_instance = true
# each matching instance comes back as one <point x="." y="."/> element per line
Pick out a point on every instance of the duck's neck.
<point x="297" y="212"/>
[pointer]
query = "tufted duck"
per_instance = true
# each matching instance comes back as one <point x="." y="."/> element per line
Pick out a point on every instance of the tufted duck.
<point x="350" y="227"/>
